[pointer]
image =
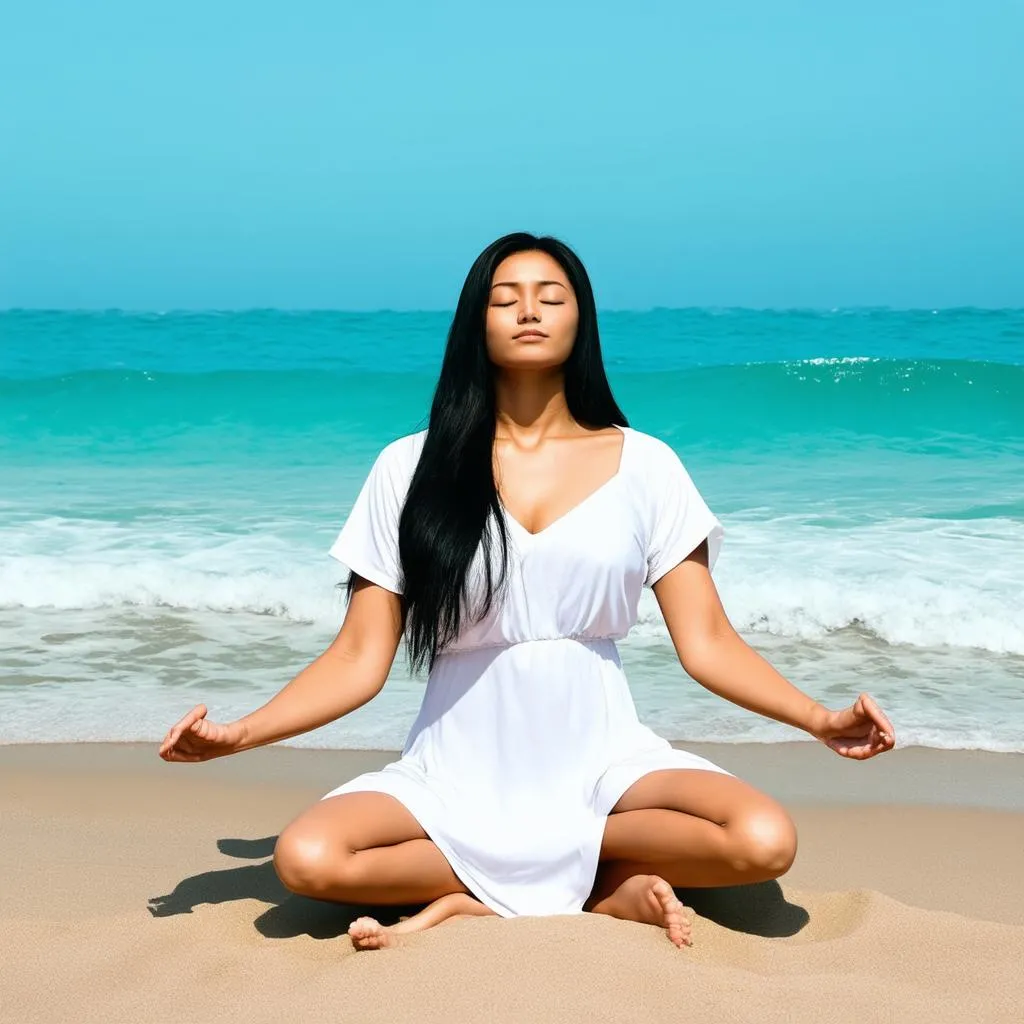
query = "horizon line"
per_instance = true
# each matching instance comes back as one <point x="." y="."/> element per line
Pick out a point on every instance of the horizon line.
<point x="714" y="309"/>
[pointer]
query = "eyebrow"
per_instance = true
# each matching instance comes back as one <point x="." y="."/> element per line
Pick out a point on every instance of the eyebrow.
<point x="513" y="284"/>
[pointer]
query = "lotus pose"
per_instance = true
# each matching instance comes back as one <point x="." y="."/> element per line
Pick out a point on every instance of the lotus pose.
<point x="509" y="543"/>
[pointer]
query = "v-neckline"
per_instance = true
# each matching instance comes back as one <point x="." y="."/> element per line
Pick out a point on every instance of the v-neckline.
<point x="512" y="521"/>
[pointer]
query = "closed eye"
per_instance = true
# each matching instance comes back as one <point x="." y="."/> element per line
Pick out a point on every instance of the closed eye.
<point x="543" y="302"/>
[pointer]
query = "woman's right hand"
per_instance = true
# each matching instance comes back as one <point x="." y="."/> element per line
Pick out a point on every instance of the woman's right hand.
<point x="196" y="738"/>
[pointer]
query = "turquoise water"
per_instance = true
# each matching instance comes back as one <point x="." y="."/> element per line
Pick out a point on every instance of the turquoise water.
<point x="170" y="482"/>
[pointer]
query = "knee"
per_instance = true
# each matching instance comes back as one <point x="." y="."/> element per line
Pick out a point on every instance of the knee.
<point x="765" y="844"/>
<point x="306" y="864"/>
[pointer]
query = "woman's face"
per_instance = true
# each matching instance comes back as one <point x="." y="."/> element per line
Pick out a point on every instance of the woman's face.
<point x="530" y="292"/>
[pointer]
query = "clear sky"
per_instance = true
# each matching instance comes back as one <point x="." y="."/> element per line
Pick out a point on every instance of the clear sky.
<point x="359" y="155"/>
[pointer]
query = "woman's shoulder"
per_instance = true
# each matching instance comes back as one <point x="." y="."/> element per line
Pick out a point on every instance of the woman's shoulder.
<point x="657" y="467"/>
<point x="650" y="449"/>
<point x="395" y="464"/>
<point x="402" y="454"/>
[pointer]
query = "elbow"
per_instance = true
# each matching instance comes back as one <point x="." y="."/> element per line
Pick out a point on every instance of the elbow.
<point x="703" y="652"/>
<point x="361" y="669"/>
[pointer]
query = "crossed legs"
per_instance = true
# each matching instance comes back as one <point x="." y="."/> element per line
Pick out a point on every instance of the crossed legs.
<point x="671" y="828"/>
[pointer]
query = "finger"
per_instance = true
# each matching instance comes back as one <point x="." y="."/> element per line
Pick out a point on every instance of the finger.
<point x="193" y="744"/>
<point x="196" y="714"/>
<point x="181" y="755"/>
<point x="847" y="749"/>
<point x="874" y="712"/>
<point x="205" y="730"/>
<point x="854" y="737"/>
<point x="875" y="745"/>
<point x="178" y="728"/>
<point x="855" y="719"/>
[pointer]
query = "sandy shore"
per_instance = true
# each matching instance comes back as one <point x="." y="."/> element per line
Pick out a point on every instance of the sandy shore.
<point x="134" y="890"/>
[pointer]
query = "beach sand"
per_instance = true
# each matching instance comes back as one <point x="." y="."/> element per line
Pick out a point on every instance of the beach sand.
<point x="136" y="890"/>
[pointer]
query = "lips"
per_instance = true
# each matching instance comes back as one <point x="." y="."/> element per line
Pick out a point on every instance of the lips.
<point x="530" y="334"/>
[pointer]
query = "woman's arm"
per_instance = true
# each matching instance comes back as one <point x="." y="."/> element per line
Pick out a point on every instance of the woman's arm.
<point x="350" y="673"/>
<point x="714" y="654"/>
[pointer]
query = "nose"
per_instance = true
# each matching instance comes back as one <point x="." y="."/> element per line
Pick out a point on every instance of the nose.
<point x="529" y="310"/>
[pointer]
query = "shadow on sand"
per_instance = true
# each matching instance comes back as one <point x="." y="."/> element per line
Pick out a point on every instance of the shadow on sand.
<point x="288" y="916"/>
<point x="759" y="909"/>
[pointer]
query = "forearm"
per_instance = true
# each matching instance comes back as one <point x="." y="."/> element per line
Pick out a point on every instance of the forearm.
<point x="327" y="689"/>
<point x="728" y="666"/>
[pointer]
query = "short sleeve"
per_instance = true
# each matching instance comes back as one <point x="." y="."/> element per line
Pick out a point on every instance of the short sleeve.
<point x="679" y="517"/>
<point x="368" y="542"/>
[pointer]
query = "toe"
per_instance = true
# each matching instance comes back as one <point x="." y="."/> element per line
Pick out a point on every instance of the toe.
<point x="675" y="922"/>
<point x="662" y="889"/>
<point x="679" y="928"/>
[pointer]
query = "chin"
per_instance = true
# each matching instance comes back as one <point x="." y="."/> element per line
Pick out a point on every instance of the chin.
<point x="530" y="355"/>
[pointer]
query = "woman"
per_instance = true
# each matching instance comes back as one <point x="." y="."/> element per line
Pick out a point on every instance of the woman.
<point x="509" y="543"/>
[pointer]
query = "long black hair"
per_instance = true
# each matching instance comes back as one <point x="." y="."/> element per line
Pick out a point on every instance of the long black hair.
<point x="453" y="492"/>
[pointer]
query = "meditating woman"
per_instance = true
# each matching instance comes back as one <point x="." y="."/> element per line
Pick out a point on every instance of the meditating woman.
<point x="509" y="543"/>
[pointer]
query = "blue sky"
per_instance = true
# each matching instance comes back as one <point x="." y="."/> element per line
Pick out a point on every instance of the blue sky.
<point x="334" y="155"/>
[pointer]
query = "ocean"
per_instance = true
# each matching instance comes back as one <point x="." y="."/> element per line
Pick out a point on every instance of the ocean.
<point x="170" y="484"/>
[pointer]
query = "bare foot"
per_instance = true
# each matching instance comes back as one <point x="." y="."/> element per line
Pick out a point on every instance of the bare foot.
<point x="649" y="900"/>
<point x="366" y="933"/>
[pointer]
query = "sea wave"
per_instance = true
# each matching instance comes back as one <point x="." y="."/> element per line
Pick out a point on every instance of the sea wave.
<point x="896" y="607"/>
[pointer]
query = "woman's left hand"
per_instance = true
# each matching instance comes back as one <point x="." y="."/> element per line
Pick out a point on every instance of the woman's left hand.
<point x="860" y="731"/>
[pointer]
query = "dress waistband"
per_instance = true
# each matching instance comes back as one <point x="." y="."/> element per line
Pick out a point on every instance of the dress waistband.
<point x="575" y="639"/>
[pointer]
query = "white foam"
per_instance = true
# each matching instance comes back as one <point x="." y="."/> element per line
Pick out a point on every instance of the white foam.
<point x="924" y="583"/>
<point x="113" y="631"/>
<point x="107" y="566"/>
<point x="839" y="360"/>
<point x="129" y="674"/>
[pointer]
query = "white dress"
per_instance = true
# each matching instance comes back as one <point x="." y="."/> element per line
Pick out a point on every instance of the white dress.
<point x="527" y="735"/>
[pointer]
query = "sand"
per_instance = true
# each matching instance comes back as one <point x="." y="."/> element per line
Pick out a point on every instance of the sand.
<point x="135" y="890"/>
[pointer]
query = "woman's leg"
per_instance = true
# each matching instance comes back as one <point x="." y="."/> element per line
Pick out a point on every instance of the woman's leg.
<point x="362" y="848"/>
<point x="691" y="828"/>
<point x="367" y="848"/>
<point x="370" y="934"/>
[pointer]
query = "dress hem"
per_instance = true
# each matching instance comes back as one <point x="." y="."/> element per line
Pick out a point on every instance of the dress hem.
<point x="620" y="777"/>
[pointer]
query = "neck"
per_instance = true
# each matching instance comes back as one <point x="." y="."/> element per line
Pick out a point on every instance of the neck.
<point x="531" y="405"/>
